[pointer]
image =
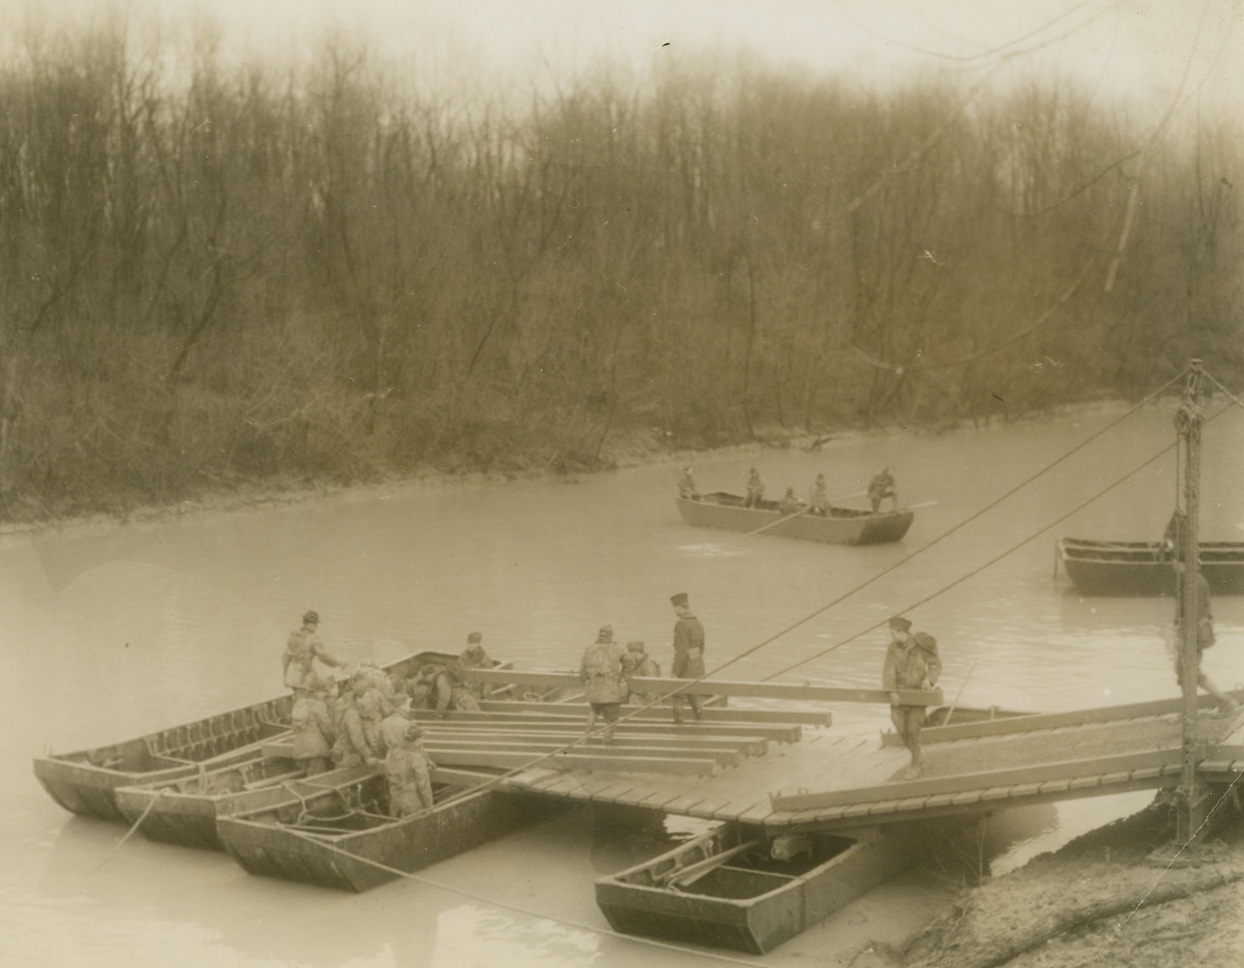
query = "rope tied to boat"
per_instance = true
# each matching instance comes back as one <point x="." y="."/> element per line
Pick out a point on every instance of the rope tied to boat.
<point x="304" y="810"/>
<point x="164" y="791"/>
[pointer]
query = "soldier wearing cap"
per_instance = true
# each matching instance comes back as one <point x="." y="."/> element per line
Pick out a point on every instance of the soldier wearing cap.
<point x="311" y="729"/>
<point x="603" y="683"/>
<point x="688" y="653"/>
<point x="882" y="486"/>
<point x="637" y="662"/>
<point x="911" y="662"/>
<point x="302" y="648"/>
<point x="441" y="687"/>
<point x="406" y="767"/>
<point x="474" y="657"/>
<point x="358" y="729"/>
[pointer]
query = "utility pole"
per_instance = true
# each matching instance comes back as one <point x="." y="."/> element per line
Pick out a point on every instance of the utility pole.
<point x="1193" y="797"/>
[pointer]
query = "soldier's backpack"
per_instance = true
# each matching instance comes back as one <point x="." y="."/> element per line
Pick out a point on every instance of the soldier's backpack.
<point x="599" y="662"/>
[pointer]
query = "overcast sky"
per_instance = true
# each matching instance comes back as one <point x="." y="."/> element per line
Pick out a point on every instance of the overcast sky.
<point x="1146" y="49"/>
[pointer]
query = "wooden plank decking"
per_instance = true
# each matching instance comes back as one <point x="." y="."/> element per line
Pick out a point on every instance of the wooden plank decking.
<point x="784" y="769"/>
<point x="829" y="782"/>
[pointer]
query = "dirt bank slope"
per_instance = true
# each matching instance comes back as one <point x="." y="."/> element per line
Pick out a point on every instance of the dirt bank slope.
<point x="1115" y="897"/>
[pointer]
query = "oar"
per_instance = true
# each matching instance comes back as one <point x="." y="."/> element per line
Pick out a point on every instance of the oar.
<point x="922" y="504"/>
<point x="789" y="517"/>
<point x="786" y="517"/>
<point x="682" y="876"/>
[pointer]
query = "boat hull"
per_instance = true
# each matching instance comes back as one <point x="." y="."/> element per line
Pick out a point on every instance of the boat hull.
<point x="360" y="859"/>
<point x="85" y="782"/>
<point x="184" y="812"/>
<point x="1140" y="569"/>
<point x="844" y="526"/>
<point x="747" y="905"/>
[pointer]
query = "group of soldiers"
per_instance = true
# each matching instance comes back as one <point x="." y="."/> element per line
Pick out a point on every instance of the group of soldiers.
<point x="364" y="719"/>
<point x="607" y="670"/>
<point x="880" y="487"/>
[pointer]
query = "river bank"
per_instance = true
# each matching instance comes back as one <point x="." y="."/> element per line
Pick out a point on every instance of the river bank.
<point x="635" y="448"/>
<point x="1116" y="897"/>
<point x="639" y="448"/>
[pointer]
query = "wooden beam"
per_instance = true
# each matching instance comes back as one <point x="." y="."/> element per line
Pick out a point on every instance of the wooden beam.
<point x="1029" y="722"/>
<point x="786" y="690"/>
<point x="596" y="747"/>
<point x="749" y="745"/>
<point x="714" y="687"/>
<point x="1222" y="759"/>
<point x="581" y="761"/>
<point x="639" y="732"/>
<point x="810" y="717"/>
<point x="963" y="782"/>
<point x="1222" y="751"/>
<point x="778" y="732"/>
<point x="459" y="776"/>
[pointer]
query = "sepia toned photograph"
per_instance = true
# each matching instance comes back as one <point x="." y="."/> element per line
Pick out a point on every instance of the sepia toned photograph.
<point x="574" y="483"/>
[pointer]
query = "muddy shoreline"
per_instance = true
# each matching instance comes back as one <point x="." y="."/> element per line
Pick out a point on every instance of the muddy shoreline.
<point x="1120" y="895"/>
<point x="628" y="450"/>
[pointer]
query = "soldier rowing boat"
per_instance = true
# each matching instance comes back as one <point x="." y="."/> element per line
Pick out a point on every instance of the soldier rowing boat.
<point x="846" y="526"/>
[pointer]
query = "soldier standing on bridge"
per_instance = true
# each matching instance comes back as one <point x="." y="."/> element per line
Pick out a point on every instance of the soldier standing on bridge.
<point x="688" y="653"/>
<point x="911" y="662"/>
<point x="603" y="682"/>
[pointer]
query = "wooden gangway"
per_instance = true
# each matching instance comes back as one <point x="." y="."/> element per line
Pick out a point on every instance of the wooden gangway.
<point x="786" y="770"/>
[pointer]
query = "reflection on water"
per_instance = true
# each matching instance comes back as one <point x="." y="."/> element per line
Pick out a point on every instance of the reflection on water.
<point x="111" y="632"/>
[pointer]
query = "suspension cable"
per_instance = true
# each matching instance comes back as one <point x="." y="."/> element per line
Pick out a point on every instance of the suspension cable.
<point x="950" y="531"/>
<point x="994" y="560"/>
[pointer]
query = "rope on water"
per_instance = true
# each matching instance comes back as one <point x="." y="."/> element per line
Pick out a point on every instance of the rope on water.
<point x="137" y="823"/>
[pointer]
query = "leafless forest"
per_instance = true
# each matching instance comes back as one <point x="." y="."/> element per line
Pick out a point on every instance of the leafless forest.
<point x="215" y="274"/>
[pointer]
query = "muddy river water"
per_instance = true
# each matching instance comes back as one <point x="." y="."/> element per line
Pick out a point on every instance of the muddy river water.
<point x="114" y="630"/>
